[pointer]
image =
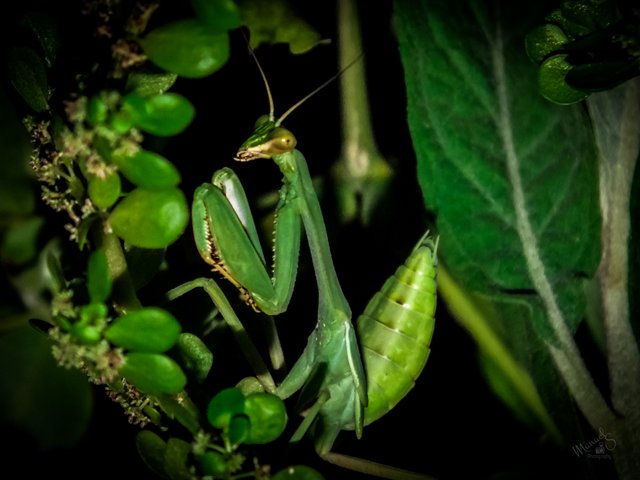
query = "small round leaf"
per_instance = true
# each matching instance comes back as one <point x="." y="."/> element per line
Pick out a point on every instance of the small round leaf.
<point x="161" y="115"/>
<point x="249" y="385"/>
<point x="98" y="277"/>
<point x="239" y="427"/>
<point x="219" y="15"/>
<point x="104" y="192"/>
<point x="151" y="218"/>
<point x="149" y="329"/>
<point x="552" y="83"/>
<point x="268" y="417"/>
<point x="176" y="459"/>
<point x="213" y="463"/>
<point x="148" y="170"/>
<point x="148" y="83"/>
<point x="224" y="405"/>
<point x="543" y="40"/>
<point x="153" y="373"/>
<point x="188" y="48"/>
<point x="194" y="355"/>
<point x="297" y="472"/>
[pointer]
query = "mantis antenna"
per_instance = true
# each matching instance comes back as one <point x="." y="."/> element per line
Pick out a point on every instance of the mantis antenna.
<point x="278" y="122"/>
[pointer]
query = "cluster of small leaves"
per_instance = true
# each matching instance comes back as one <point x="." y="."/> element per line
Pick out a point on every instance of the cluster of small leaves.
<point x="237" y="418"/>
<point x="586" y="46"/>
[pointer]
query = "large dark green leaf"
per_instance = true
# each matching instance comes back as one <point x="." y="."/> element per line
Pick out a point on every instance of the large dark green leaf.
<point x="511" y="177"/>
<point x="49" y="402"/>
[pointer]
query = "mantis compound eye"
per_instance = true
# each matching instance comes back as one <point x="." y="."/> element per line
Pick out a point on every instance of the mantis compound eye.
<point x="280" y="140"/>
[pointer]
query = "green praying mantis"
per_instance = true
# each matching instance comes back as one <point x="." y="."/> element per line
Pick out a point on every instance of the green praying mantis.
<point x="357" y="376"/>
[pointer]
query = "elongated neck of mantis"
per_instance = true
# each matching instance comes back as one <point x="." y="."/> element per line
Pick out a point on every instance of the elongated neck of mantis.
<point x="294" y="168"/>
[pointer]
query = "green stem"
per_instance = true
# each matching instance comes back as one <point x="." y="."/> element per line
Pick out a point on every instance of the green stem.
<point x="361" y="172"/>
<point x="470" y="315"/>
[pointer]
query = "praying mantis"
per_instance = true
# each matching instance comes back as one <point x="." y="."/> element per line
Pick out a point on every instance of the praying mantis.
<point x="354" y="382"/>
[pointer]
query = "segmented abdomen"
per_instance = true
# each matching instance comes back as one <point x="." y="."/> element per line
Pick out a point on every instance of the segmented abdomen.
<point x="395" y="330"/>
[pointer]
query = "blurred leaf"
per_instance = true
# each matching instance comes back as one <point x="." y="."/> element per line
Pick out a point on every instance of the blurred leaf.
<point x="249" y="385"/>
<point x="151" y="449"/>
<point x="19" y="243"/>
<point x="147" y="83"/>
<point x="98" y="277"/>
<point x="104" y="192"/>
<point x="162" y="115"/>
<point x="29" y="78"/>
<point x="268" y="417"/>
<point x="297" y="472"/>
<point x="187" y="48"/>
<point x="52" y="404"/>
<point x="148" y="170"/>
<point x="194" y="355"/>
<point x="213" y="463"/>
<point x="151" y="218"/>
<point x="224" y="405"/>
<point x="149" y="329"/>
<point x="182" y="409"/>
<point x="176" y="459"/>
<point x="153" y="373"/>
<point x="218" y="15"/>
<point x="277" y="22"/>
<point x="46" y="30"/>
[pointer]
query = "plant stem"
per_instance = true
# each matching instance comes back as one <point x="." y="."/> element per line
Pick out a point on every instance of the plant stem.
<point x="616" y="123"/>
<point x="362" y="173"/>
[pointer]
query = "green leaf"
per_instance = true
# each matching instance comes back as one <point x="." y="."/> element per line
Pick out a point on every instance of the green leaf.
<point x="224" y="405"/>
<point x="149" y="329"/>
<point x="511" y="178"/>
<point x="151" y="449"/>
<point x="51" y="403"/>
<point x="176" y="459"/>
<point x="218" y="15"/>
<point x="238" y="429"/>
<point x="543" y="40"/>
<point x="278" y="22"/>
<point x="19" y="243"/>
<point x="153" y="373"/>
<point x="147" y="83"/>
<point x="148" y="170"/>
<point x="29" y="78"/>
<point x="249" y="385"/>
<point x="181" y="408"/>
<point x="268" y="417"/>
<point x="213" y="463"/>
<point x="104" y="192"/>
<point x="151" y="218"/>
<point x="97" y="112"/>
<point x="552" y="81"/>
<point x="188" y="48"/>
<point x="194" y="356"/>
<point x="297" y="472"/>
<point x="98" y="277"/>
<point x="162" y="115"/>
<point x="47" y="32"/>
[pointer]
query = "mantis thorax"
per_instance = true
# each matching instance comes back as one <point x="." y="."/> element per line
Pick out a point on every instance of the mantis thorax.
<point x="267" y="140"/>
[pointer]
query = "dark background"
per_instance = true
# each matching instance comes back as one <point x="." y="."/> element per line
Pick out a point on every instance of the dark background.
<point x="450" y="425"/>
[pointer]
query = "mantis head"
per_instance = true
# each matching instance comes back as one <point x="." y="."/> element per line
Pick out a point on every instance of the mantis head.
<point x="268" y="139"/>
